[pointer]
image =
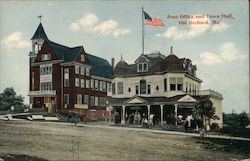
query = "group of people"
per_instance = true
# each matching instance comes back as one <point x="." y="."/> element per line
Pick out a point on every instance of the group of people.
<point x="136" y="118"/>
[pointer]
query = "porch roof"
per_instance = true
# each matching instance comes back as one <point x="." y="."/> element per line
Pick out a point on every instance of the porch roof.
<point x="142" y="100"/>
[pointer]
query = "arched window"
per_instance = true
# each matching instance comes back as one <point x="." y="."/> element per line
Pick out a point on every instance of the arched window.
<point x="143" y="86"/>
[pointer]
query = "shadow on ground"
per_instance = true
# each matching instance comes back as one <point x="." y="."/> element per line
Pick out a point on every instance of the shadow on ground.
<point x="14" y="157"/>
<point x="224" y="145"/>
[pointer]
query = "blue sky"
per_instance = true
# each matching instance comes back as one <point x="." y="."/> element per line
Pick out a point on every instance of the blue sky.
<point x="221" y="52"/>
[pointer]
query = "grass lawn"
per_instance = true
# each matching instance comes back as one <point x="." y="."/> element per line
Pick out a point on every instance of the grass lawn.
<point x="64" y="142"/>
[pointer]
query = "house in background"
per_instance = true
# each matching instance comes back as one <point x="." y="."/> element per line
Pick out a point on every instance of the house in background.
<point x="67" y="78"/>
<point x="164" y="86"/>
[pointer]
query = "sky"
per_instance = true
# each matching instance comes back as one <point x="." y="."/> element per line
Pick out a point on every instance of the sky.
<point x="217" y="44"/>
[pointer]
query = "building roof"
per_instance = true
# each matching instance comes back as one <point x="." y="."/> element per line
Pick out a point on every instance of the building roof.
<point x="63" y="52"/>
<point x="157" y="63"/>
<point x="99" y="66"/>
<point x="153" y="100"/>
<point x="40" y="33"/>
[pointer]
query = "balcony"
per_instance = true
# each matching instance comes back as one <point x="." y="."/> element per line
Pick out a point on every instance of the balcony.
<point x="211" y="93"/>
<point x="42" y="93"/>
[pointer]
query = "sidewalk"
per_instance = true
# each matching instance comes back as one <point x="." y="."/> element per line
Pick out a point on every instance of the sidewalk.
<point x="142" y="130"/>
<point x="158" y="131"/>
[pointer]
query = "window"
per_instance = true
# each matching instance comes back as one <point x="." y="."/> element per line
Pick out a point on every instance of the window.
<point x="102" y="101"/>
<point x="46" y="69"/>
<point x="92" y="100"/>
<point x="92" y="83"/>
<point x="109" y="87"/>
<point x="186" y="86"/>
<point x="96" y="85"/>
<point x="82" y="83"/>
<point x="142" y="86"/>
<point x="87" y="83"/>
<point x="104" y="86"/>
<point x="190" y="88"/>
<point x="149" y="89"/>
<point x="82" y="70"/>
<point x="142" y="67"/>
<point x="113" y="88"/>
<point x="120" y="87"/>
<point x="145" y="66"/>
<point x="165" y="85"/>
<point x="45" y="86"/>
<point x="77" y="82"/>
<point x="87" y="72"/>
<point x="86" y="99"/>
<point x="82" y="57"/>
<point x="33" y="81"/>
<point x="46" y="57"/>
<point x="100" y="83"/>
<point x="137" y="89"/>
<point x="172" y="84"/>
<point x="96" y="101"/>
<point x="77" y="69"/>
<point x="79" y="99"/>
<point x="66" y="77"/>
<point x="179" y="84"/>
<point x="66" y="99"/>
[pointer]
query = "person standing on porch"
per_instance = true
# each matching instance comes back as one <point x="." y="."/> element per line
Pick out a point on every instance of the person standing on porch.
<point x="136" y="118"/>
<point x="139" y="118"/>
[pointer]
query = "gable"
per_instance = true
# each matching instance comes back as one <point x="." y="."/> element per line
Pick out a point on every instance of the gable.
<point x="141" y="59"/>
<point x="136" y="100"/>
<point x="186" y="98"/>
<point x="46" y="49"/>
<point x="81" y="55"/>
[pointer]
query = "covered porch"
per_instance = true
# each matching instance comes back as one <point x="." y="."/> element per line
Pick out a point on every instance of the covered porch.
<point x="156" y="110"/>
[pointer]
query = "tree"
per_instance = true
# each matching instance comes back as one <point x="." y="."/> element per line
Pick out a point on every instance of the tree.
<point x="205" y="110"/>
<point x="9" y="98"/>
<point x="236" y="120"/>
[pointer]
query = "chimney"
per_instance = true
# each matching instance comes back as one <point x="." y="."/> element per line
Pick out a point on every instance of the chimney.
<point x="113" y="63"/>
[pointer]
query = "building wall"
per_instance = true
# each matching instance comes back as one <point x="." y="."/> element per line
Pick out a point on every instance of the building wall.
<point x="154" y="81"/>
<point x="217" y="103"/>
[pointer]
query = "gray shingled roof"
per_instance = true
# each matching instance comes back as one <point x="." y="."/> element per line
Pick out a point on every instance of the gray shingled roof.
<point x="99" y="67"/>
<point x="40" y="33"/>
<point x="157" y="63"/>
<point x="63" y="52"/>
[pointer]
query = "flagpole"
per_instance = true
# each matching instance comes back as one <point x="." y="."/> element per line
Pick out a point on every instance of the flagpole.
<point x="142" y="31"/>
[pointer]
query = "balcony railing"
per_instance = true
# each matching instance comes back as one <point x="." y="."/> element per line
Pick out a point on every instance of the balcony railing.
<point x="44" y="92"/>
<point x="211" y="93"/>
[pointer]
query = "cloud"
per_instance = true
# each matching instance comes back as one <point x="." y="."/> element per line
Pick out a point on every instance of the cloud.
<point x="197" y="26"/>
<point x="220" y="27"/>
<point x="227" y="52"/>
<point x="209" y="58"/>
<point x="90" y="22"/>
<point x="15" y="40"/>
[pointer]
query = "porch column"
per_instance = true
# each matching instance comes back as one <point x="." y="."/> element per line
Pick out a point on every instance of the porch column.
<point x="110" y="114"/>
<point x="161" y="114"/>
<point x="148" y="111"/>
<point x="123" y="115"/>
<point x="175" y="110"/>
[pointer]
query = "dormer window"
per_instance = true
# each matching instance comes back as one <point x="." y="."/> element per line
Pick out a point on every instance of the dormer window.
<point x="46" y="57"/>
<point x="142" y="67"/>
<point x="82" y="57"/>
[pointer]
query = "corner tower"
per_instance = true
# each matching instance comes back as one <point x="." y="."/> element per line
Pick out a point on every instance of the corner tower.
<point x="37" y="41"/>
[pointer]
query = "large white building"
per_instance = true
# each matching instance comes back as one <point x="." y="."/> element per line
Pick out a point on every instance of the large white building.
<point x="166" y="86"/>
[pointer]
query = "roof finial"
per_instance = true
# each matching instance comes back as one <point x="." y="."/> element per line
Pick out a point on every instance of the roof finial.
<point x="40" y="17"/>
<point x="171" y="50"/>
<point x="121" y="57"/>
